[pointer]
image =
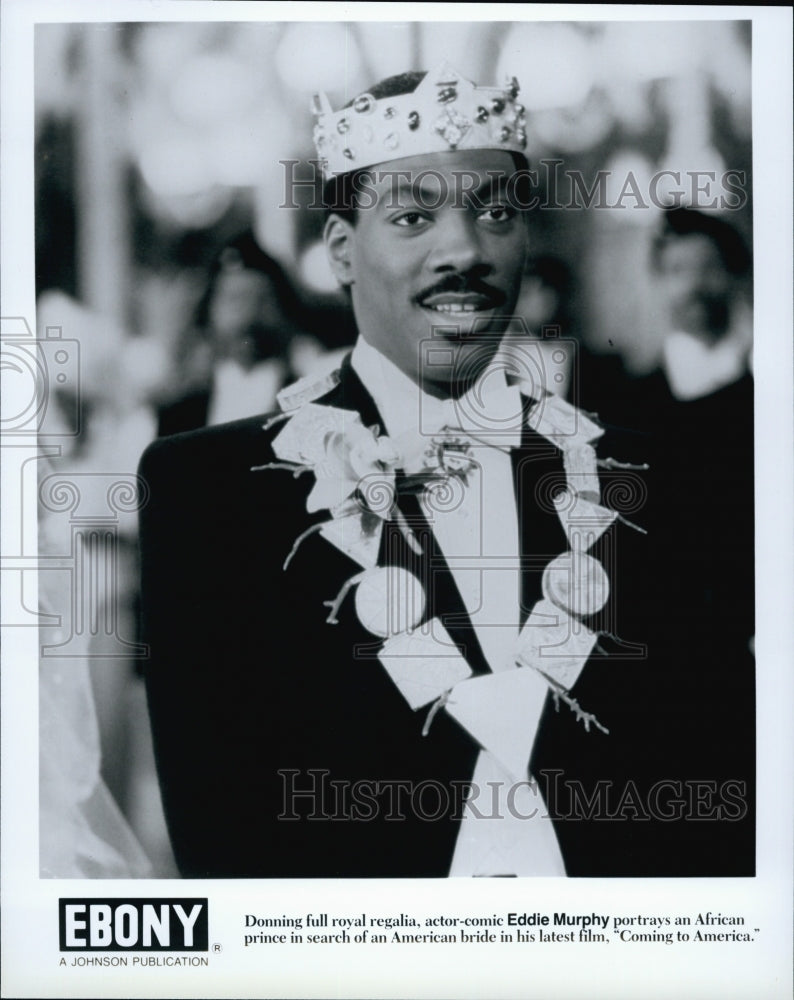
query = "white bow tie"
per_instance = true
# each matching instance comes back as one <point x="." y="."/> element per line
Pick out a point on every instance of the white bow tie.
<point x="492" y="418"/>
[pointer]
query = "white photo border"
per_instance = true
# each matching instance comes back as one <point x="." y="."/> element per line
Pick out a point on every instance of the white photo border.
<point x="763" y="968"/>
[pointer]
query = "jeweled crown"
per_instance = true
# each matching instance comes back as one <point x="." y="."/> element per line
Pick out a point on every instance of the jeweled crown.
<point x="446" y="111"/>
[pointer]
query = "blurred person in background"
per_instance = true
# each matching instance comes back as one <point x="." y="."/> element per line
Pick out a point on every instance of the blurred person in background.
<point x="98" y="816"/>
<point x="701" y="267"/>
<point x="692" y="420"/>
<point x="699" y="407"/>
<point x="246" y="342"/>
<point x="702" y="264"/>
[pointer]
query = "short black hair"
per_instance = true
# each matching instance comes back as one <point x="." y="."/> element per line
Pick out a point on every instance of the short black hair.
<point x="680" y="222"/>
<point x="339" y="192"/>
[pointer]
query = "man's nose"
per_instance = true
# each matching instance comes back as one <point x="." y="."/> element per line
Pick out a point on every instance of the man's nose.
<point x="457" y="246"/>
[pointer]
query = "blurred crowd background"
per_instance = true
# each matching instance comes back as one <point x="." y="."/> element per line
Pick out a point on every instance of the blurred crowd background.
<point x="164" y="249"/>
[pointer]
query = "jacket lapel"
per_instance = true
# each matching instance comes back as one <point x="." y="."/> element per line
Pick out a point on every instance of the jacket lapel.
<point x="430" y="567"/>
<point x="538" y="474"/>
<point x="351" y="394"/>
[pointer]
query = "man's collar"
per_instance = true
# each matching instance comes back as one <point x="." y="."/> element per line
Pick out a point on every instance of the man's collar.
<point x="490" y="408"/>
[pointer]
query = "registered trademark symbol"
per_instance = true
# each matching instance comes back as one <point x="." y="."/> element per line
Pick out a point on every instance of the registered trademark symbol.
<point x="217" y="948"/>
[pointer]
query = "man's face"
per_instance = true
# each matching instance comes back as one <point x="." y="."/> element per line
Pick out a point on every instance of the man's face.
<point x="436" y="261"/>
<point x="695" y="285"/>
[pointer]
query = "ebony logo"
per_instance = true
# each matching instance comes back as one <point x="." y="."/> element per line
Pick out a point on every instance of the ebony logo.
<point x="133" y="924"/>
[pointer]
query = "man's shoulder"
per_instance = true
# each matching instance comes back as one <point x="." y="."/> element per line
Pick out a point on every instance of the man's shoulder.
<point x="217" y="462"/>
<point x="323" y="388"/>
<point x="223" y="444"/>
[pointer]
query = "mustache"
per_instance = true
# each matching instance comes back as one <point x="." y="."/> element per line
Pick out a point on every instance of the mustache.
<point x="462" y="284"/>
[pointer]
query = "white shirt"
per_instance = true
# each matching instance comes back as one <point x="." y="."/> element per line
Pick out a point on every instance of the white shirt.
<point x="696" y="368"/>
<point x="238" y="393"/>
<point x="478" y="535"/>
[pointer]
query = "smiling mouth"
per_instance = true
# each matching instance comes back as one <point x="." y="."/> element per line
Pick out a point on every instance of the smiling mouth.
<point x="459" y="305"/>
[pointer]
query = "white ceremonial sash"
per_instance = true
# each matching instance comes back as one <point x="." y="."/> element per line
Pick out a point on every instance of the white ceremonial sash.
<point x="505" y="829"/>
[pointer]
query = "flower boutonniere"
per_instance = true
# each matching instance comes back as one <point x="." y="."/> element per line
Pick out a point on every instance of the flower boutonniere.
<point x="352" y="461"/>
<point x="355" y="475"/>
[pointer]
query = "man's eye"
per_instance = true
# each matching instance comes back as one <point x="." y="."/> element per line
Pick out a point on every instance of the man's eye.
<point x="498" y="213"/>
<point x="409" y="219"/>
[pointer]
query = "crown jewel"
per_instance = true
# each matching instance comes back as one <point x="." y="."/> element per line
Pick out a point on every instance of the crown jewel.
<point x="446" y="111"/>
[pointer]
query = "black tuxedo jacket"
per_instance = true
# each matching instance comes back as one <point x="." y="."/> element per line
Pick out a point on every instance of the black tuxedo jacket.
<point x="284" y="749"/>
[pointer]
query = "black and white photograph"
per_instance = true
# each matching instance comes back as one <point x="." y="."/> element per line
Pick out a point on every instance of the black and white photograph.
<point x="397" y="522"/>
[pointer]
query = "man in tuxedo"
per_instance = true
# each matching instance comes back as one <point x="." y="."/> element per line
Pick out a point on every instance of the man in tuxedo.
<point x="413" y="625"/>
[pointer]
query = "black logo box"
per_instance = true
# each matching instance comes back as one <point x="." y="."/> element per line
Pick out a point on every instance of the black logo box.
<point x="78" y="923"/>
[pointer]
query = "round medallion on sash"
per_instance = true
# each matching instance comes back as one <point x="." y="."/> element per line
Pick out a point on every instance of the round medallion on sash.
<point x="576" y="583"/>
<point x="390" y="600"/>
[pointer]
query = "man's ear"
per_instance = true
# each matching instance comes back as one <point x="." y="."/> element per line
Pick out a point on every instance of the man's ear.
<point x="339" y="235"/>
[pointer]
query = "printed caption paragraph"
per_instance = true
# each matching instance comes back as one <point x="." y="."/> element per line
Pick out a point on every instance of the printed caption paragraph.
<point x="705" y="927"/>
